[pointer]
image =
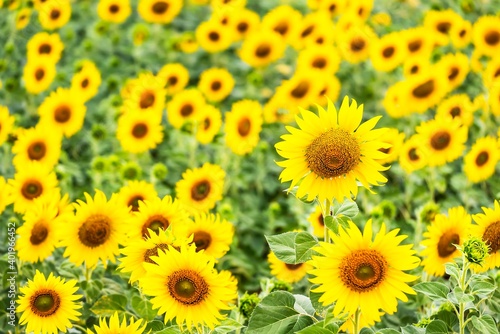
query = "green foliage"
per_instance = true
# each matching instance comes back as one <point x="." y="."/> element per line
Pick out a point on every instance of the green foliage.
<point x="292" y="247"/>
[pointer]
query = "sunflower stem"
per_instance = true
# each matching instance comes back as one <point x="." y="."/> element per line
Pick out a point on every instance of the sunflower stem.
<point x="463" y="285"/>
<point x="88" y="273"/>
<point x="326" y="212"/>
<point x="356" y="321"/>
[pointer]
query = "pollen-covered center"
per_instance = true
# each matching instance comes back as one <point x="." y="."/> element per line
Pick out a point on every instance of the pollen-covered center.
<point x="423" y="90"/>
<point x="154" y="223"/>
<point x="95" y="231"/>
<point x="37" y="150"/>
<point x="482" y="158"/>
<point x="31" y="189"/>
<point x="202" y="240"/>
<point x="154" y="252"/>
<point x="445" y="246"/>
<point x="39" y="233"/>
<point x="363" y="270"/>
<point x="45" y="302"/>
<point x="491" y="236"/>
<point x="334" y="153"/>
<point x="440" y="140"/>
<point x="187" y="287"/>
<point x="200" y="190"/>
<point x="62" y="114"/>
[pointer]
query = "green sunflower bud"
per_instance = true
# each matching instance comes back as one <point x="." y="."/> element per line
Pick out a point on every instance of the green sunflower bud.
<point x="475" y="250"/>
<point x="428" y="212"/>
<point x="160" y="171"/>
<point x="131" y="171"/>
<point x="248" y="304"/>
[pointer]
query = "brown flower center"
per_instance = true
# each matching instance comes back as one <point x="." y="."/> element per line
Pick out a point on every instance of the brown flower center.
<point x="281" y="28"/>
<point x="358" y="44"/>
<point x="200" y="190"/>
<point x="414" y="69"/>
<point x="446" y="243"/>
<point x="154" y="252"/>
<point x="31" y="189"/>
<point x="413" y="155"/>
<point x="319" y="63"/>
<point x="187" y="287"/>
<point x="216" y="85"/>
<point x="293" y="267"/>
<point x="44" y="48"/>
<point x="363" y="270"/>
<point x="140" y="130"/>
<point x="202" y="240"/>
<point x="62" y="114"/>
<point x="300" y="90"/>
<point x="95" y="231"/>
<point x="37" y="150"/>
<point x="154" y="223"/>
<point x="306" y="32"/>
<point x="453" y="73"/>
<point x="263" y="50"/>
<point x="114" y="9"/>
<point x="39" y="233"/>
<point x="455" y="111"/>
<point x="45" y="302"/>
<point x="54" y="14"/>
<point x="491" y="237"/>
<point x="206" y="123"/>
<point x="160" y="7"/>
<point x="85" y="83"/>
<point x="423" y="91"/>
<point x="388" y="52"/>
<point x="334" y="153"/>
<point x="242" y="27"/>
<point x="214" y="36"/>
<point x="147" y="100"/>
<point x="244" y="126"/>
<point x="134" y="202"/>
<point x="39" y="74"/>
<point x="187" y="110"/>
<point x="443" y="27"/>
<point x="415" y="45"/>
<point x="462" y="33"/>
<point x="440" y="140"/>
<point x="492" y="37"/>
<point x="482" y="158"/>
<point x="172" y="80"/>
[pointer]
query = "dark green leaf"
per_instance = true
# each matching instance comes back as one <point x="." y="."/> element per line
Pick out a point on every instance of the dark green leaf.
<point x="436" y="327"/>
<point x="320" y="328"/>
<point x="109" y="304"/>
<point x="292" y="247"/>
<point x="433" y="290"/>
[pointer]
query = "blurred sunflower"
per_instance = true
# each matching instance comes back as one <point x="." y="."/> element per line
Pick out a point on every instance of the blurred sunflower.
<point x="5" y="196"/>
<point x="442" y="235"/>
<point x="159" y="11"/>
<point x="395" y="139"/>
<point x="278" y="110"/>
<point x="388" y="52"/>
<point x="285" y="20"/>
<point x="394" y="101"/>
<point x="486" y="35"/>
<point x="329" y="90"/>
<point x="456" y="68"/>
<point x="48" y="305"/>
<point x="415" y="65"/>
<point x="491" y="74"/>
<point x="187" y="43"/>
<point x="209" y="233"/>
<point x="201" y="188"/>
<point x="307" y="27"/>
<point x="358" y="273"/>
<point x="12" y="4"/>
<point x="262" y="48"/>
<point x="209" y="124"/>
<point x="413" y="155"/>
<point x="134" y="327"/>
<point x="461" y="34"/>
<point x="6" y="124"/>
<point x="330" y="153"/>
<point x="242" y="126"/>
<point x="457" y="106"/>
<point x="286" y="272"/>
<point x="441" y="24"/>
<point x="46" y="46"/>
<point x="23" y="18"/>
<point x="355" y="44"/>
<point x="184" y="285"/>
<point x="39" y="144"/>
<point x="325" y="59"/>
<point x="361" y="8"/>
<point x="96" y="230"/>
<point x="138" y="132"/>
<point x="175" y="77"/>
<point x="333" y="7"/>
<point x="38" y="74"/>
<point x="213" y="36"/>
<point x="243" y="23"/>
<point x="54" y="14"/>
<point x="37" y="4"/>
<point x="185" y="106"/>
<point x="216" y="84"/>
<point x="481" y="160"/>
<point x="114" y="11"/>
<point x="147" y="96"/>
<point x="86" y="81"/>
<point x="425" y="90"/>
<point x="494" y="100"/>
<point x="136" y="191"/>
<point x="487" y="227"/>
<point x="419" y="42"/>
<point x="302" y="89"/>
<point x="317" y="222"/>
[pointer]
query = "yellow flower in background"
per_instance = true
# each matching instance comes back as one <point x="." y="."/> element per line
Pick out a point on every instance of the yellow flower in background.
<point x="5" y="194"/>
<point x="383" y="19"/>
<point x="487" y="227"/>
<point x="86" y="81"/>
<point x="175" y="76"/>
<point x="46" y="46"/>
<point x="329" y="90"/>
<point x="115" y="11"/>
<point x="54" y="14"/>
<point x="491" y="74"/>
<point x="325" y="59"/>
<point x="461" y="34"/>
<point x="420" y="41"/>
<point x="185" y="106"/>
<point x="486" y="35"/>
<point x="494" y="99"/>
<point x="395" y="139"/>
<point x="457" y="106"/>
<point x="394" y="101"/>
<point x="285" y="20"/>
<point x="187" y="43"/>
<point x="441" y="24"/>
<point x="425" y="90"/>
<point x="201" y="188"/>
<point x="358" y="273"/>
<point x="302" y="89"/>
<point x="134" y="327"/>
<point x="333" y="7"/>
<point x="209" y="125"/>
<point x="6" y="124"/>
<point x="243" y="23"/>
<point x="289" y="273"/>
<point x="277" y="109"/>
<point x="38" y="75"/>
<point x="216" y="84"/>
<point x="159" y="11"/>
<point x="317" y="222"/>
<point x="355" y="44"/>
<point x="147" y="96"/>
<point x="48" y="304"/>
<point x="37" y="144"/>
<point x="413" y="155"/>
<point x="361" y="8"/>
<point x="388" y="52"/>
<point x="480" y="162"/>
<point x="135" y="192"/>
<point x="242" y="126"/>
<point x="308" y="27"/>
<point x="13" y="4"/>
<point x="331" y="152"/>
<point x="262" y="48"/>
<point x="138" y="132"/>
<point x="455" y="67"/>
<point x="213" y="37"/>
<point x="415" y="65"/>
<point x="442" y="235"/>
<point x="23" y="18"/>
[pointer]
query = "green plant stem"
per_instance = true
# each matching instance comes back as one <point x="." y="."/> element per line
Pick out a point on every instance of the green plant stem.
<point x="356" y="321"/>
<point x="463" y="285"/>
<point x="326" y="212"/>
<point x="88" y="273"/>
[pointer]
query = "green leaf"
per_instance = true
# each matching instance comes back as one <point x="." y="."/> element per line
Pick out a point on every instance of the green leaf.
<point x="314" y="297"/>
<point x="227" y="326"/>
<point x="109" y="304"/>
<point x="154" y="326"/>
<point x="170" y="330"/>
<point x="482" y="287"/>
<point x="143" y="307"/>
<point x="366" y="330"/>
<point x="436" y="327"/>
<point x="347" y="208"/>
<point x="276" y="314"/>
<point x="451" y="269"/>
<point x="332" y="224"/>
<point x="320" y="328"/>
<point x="387" y="331"/>
<point x="484" y="324"/>
<point x="458" y="296"/>
<point x="292" y="247"/>
<point x="433" y="290"/>
<point x="412" y="330"/>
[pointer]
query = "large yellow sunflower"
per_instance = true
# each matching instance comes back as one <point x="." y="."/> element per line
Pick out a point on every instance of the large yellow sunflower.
<point x="243" y="125"/>
<point x="86" y="82"/>
<point x="39" y="144"/>
<point x="262" y="48"/>
<point x="213" y="36"/>
<point x="487" y="227"/>
<point x="48" y="305"/>
<point x="63" y="110"/>
<point x="325" y="59"/>
<point x="486" y="35"/>
<point x="54" y="14"/>
<point x="481" y="160"/>
<point x="185" y="106"/>
<point x="115" y="11"/>
<point x="285" y="20"/>
<point x="6" y="124"/>
<point x="442" y="235"/>
<point x="413" y="155"/>
<point x="209" y="124"/>
<point x="138" y="132"/>
<point x="329" y="153"/>
<point x="175" y="77"/>
<point x="135" y="192"/>
<point x="46" y="46"/>
<point x="289" y="273"/>
<point x="201" y="188"/>
<point x="159" y="11"/>
<point x="38" y="74"/>
<point x="209" y="233"/>
<point x="457" y="106"/>
<point x="185" y="286"/>
<point x="96" y="230"/>
<point x="216" y="84"/>
<point x="358" y="273"/>
<point x="134" y="327"/>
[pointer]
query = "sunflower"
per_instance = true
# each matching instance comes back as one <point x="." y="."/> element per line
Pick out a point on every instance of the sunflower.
<point x="415" y="65"/>
<point x="86" y="82"/>
<point x="5" y="194"/>
<point x="209" y="233"/>
<point x="425" y="90"/>
<point x="284" y="20"/>
<point x="242" y="126"/>
<point x="175" y="76"/>
<point x="286" y="272"/>
<point x="201" y="188"/>
<point x="394" y="101"/>
<point x="325" y="59"/>
<point x="135" y="192"/>
<point x="63" y="110"/>
<point x="38" y="143"/>
<point x="243" y="23"/>
<point x="413" y="155"/>
<point x="329" y="90"/>
<point x="441" y="237"/>
<point x="159" y="11"/>
<point x="457" y="106"/>
<point x="277" y="109"/>
<point x="48" y="305"/>
<point x="302" y="89"/>
<point x="134" y="327"/>
<point x="419" y="42"/>
<point x="361" y="8"/>
<point x="216" y="84"/>
<point x="262" y="48"/>
<point x="358" y="273"/>
<point x="329" y="153"/>
<point x="323" y="35"/>
<point x="6" y="124"/>
<point x="307" y="27"/>
<point x="31" y="181"/>
<point x="491" y="74"/>
<point x="156" y="215"/>
<point x="388" y="52"/>
<point x="456" y="68"/>
<point x="187" y="43"/>
<point x="37" y="4"/>
<point x="209" y="124"/>
<point x="23" y="18"/>
<point x="486" y="35"/>
<point x="333" y="7"/>
<point x="185" y="286"/>
<point x="461" y="34"/>
<point x="481" y="160"/>
<point x="46" y="46"/>
<point x="95" y="231"/>
<point x="444" y="139"/>
<point x="441" y="24"/>
<point x="395" y="139"/>
<point x="54" y="14"/>
<point x="494" y="100"/>
<point x="487" y="227"/>
<point x="355" y="44"/>
<point x="138" y="132"/>
<point x="38" y="74"/>
<point x="115" y="11"/>
<point x="146" y="95"/>
<point x="185" y="106"/>
<point x="12" y="4"/>
<point x="317" y="222"/>
<point x="213" y="36"/>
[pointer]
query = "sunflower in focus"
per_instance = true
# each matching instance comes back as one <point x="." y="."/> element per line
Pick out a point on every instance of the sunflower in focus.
<point x="201" y="188"/>
<point x="331" y="151"/>
<point x="322" y="58"/>
<point x="413" y="155"/>
<point x="159" y="11"/>
<point x="184" y="285"/>
<point x="23" y="18"/>
<point x="38" y="74"/>
<point x="480" y="162"/>
<point x="487" y="227"/>
<point x="216" y="84"/>
<point x="358" y="273"/>
<point x="48" y="304"/>
<point x="175" y="76"/>
<point x="456" y="68"/>
<point x="6" y="124"/>
<point x="286" y="272"/>
<point x="46" y="46"/>
<point x="285" y="20"/>
<point x="96" y="230"/>
<point x="209" y="124"/>
<point x="54" y="14"/>
<point x="442" y="235"/>
<point x="242" y="126"/>
<point x="114" y="11"/>
<point x="388" y="52"/>
<point x="185" y="106"/>
<point x="262" y="48"/>
<point x="86" y="81"/>
<point x="134" y="327"/>
<point x="135" y="192"/>
<point x="213" y="36"/>
<point x="486" y="35"/>
<point x="395" y="139"/>
<point x="37" y="144"/>
<point x="457" y="106"/>
<point x="138" y="132"/>
<point x="243" y="23"/>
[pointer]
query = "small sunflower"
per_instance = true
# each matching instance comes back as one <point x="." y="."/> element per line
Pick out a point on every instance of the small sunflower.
<point x="487" y="227"/>
<point x="413" y="155"/>
<point x="243" y="23"/>
<point x="333" y="7"/>
<point x="209" y="124"/>
<point x="6" y="124"/>
<point x="494" y="100"/>
<point x="329" y="90"/>
<point x="285" y="20"/>
<point x="243" y="125"/>
<point x="96" y="230"/>
<point x="63" y="110"/>
<point x="54" y="14"/>
<point x="358" y="273"/>
<point x="329" y="153"/>
<point x="441" y="23"/>
<point x="146" y="95"/>
<point x="135" y="192"/>
<point x="486" y="35"/>
<point x="457" y="106"/>
<point x="325" y="59"/>
<point x="481" y="160"/>
<point x="262" y="48"/>
<point x="302" y="89"/>
<point x="5" y="194"/>
<point x="201" y="188"/>
<point x="361" y="8"/>
<point x="388" y="52"/>
<point x="38" y="74"/>
<point x="86" y="82"/>
<point x="419" y="42"/>
<point x="461" y="34"/>
<point x="23" y="18"/>
<point x="46" y="46"/>
<point x="134" y="327"/>
<point x="491" y="74"/>
<point x="213" y="36"/>
<point x="456" y="68"/>
<point x="187" y="43"/>
<point x="395" y="139"/>
<point x="159" y="11"/>
<point x="138" y="132"/>
<point x="308" y="27"/>
<point x="114" y="11"/>
<point x="277" y="109"/>
<point x="184" y="285"/>
<point x="48" y="304"/>
<point x="185" y="106"/>
<point x="175" y="76"/>
<point x="415" y="65"/>
<point x="216" y="84"/>
<point x="394" y="101"/>
<point x="209" y="233"/>
<point x="317" y="222"/>
<point x="37" y="144"/>
<point x="442" y="235"/>
<point x="355" y="44"/>
<point x="286" y="272"/>
<point x="425" y="90"/>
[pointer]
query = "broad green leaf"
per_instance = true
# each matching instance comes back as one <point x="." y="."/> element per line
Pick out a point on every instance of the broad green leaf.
<point x="303" y="305"/>
<point x="436" y="327"/>
<point x="143" y="307"/>
<point x="412" y="330"/>
<point x="155" y="326"/>
<point x="433" y="290"/>
<point x="449" y="318"/>
<point x="451" y="269"/>
<point x="320" y="328"/>
<point x="227" y="326"/>
<point x="366" y="330"/>
<point x="387" y="331"/>
<point x="292" y="247"/>
<point x="333" y="223"/>
<point x="170" y="330"/>
<point x="458" y="296"/>
<point x="315" y="296"/>
<point x="276" y="314"/>
<point x="347" y="208"/>
<point x="482" y="288"/>
<point x="484" y="324"/>
<point x="107" y="305"/>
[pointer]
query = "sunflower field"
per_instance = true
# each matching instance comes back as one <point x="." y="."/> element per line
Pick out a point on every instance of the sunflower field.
<point x="245" y="166"/>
